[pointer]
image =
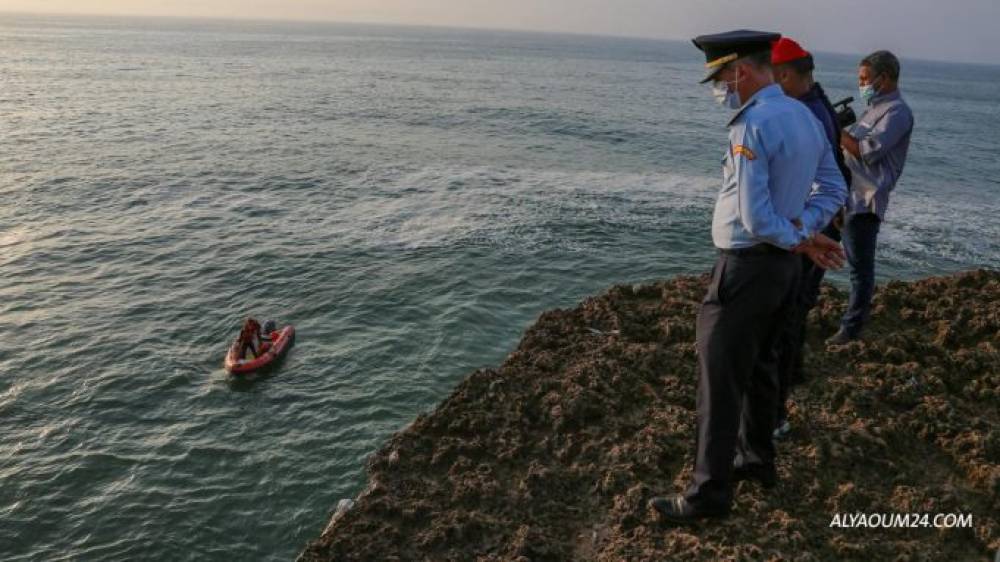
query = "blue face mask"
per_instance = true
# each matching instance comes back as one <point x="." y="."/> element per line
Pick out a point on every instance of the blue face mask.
<point x="868" y="93"/>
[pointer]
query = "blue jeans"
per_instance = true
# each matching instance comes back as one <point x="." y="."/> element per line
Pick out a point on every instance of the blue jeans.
<point x="860" y="234"/>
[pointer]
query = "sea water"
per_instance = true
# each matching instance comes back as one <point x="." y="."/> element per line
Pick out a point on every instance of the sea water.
<point x="410" y="199"/>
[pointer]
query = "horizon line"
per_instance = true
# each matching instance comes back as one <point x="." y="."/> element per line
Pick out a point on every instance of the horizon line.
<point x="429" y="26"/>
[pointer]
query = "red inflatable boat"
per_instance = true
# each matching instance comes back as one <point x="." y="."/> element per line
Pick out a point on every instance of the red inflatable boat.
<point x="281" y="342"/>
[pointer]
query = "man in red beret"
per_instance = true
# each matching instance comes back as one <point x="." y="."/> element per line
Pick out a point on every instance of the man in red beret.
<point x="793" y="70"/>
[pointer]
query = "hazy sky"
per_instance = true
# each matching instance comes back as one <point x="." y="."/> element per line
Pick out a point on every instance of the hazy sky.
<point x="959" y="30"/>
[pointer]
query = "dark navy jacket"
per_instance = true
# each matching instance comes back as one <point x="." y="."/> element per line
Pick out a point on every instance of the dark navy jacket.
<point x="817" y="102"/>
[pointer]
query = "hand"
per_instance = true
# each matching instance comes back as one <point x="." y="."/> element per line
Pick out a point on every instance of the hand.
<point x="850" y="144"/>
<point x="823" y="259"/>
<point x="829" y="244"/>
<point x="823" y="251"/>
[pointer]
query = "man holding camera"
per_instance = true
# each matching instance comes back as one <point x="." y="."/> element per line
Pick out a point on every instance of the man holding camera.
<point x="875" y="148"/>
<point x="793" y="71"/>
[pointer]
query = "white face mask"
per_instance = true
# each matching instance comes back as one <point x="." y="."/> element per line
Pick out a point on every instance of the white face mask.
<point x="726" y="97"/>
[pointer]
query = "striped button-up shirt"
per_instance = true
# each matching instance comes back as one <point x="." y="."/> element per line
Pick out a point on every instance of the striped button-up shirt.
<point x="883" y="135"/>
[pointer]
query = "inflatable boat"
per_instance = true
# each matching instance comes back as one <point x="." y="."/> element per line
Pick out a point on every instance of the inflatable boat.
<point x="271" y="351"/>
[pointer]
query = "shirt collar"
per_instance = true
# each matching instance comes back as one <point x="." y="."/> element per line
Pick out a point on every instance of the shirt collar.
<point x="770" y="91"/>
<point x="893" y="95"/>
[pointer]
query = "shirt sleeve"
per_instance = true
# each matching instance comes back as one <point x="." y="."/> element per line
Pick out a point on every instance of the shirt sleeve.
<point x="750" y="159"/>
<point x="886" y="133"/>
<point x="828" y="195"/>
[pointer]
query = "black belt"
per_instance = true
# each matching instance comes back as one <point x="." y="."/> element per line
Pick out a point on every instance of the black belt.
<point x="757" y="250"/>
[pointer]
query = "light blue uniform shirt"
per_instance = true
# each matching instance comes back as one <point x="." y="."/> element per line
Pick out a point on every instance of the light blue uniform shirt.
<point x="779" y="167"/>
<point x="883" y="135"/>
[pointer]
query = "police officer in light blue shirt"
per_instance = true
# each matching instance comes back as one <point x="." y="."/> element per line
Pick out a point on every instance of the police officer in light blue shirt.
<point x="777" y="151"/>
<point x="781" y="186"/>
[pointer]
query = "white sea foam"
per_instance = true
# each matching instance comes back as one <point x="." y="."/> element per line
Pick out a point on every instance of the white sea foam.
<point x="504" y="207"/>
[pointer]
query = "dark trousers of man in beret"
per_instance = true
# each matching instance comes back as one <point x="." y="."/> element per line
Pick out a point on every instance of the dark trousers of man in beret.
<point x="791" y="356"/>
<point x="737" y="329"/>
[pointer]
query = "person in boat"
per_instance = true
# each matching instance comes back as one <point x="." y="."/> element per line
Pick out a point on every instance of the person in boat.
<point x="269" y="328"/>
<point x="250" y="340"/>
<point x="255" y="340"/>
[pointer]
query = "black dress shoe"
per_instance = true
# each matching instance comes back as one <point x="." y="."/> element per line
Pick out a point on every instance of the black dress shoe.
<point x="678" y="509"/>
<point x="841" y="338"/>
<point x="763" y="473"/>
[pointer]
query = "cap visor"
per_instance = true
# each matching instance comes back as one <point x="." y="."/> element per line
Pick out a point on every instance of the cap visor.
<point x="711" y="74"/>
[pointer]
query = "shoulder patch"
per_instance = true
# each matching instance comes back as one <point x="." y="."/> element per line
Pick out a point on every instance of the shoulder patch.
<point x="741" y="150"/>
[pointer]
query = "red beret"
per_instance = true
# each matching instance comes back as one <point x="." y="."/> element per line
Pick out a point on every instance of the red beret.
<point x="786" y="50"/>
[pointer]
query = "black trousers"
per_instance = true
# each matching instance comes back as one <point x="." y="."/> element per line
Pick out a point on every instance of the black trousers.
<point x="737" y="401"/>
<point x="791" y="360"/>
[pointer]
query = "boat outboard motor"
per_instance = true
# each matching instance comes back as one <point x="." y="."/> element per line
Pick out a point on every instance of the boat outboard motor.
<point x="269" y="327"/>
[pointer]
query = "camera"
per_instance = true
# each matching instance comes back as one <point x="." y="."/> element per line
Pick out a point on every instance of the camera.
<point x="845" y="115"/>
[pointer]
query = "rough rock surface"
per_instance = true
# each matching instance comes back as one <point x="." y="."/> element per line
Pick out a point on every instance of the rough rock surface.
<point x="554" y="455"/>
